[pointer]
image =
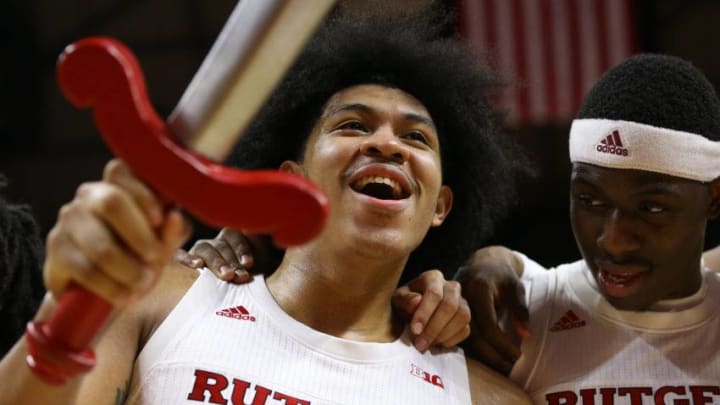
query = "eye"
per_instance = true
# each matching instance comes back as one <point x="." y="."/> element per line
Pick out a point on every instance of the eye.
<point x="416" y="136"/>
<point x="588" y="201"/>
<point x="652" y="208"/>
<point x="352" y="126"/>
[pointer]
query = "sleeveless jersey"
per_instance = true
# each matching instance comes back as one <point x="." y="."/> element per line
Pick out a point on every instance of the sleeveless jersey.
<point x="583" y="351"/>
<point x="233" y="344"/>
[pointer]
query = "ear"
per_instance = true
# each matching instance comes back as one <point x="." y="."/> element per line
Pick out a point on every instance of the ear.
<point x="714" y="210"/>
<point x="443" y="206"/>
<point x="290" y="166"/>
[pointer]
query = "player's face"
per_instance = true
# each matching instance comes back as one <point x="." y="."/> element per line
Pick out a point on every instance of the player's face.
<point x="376" y="154"/>
<point x="641" y="233"/>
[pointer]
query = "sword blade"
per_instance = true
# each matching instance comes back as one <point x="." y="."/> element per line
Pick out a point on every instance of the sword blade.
<point x="257" y="45"/>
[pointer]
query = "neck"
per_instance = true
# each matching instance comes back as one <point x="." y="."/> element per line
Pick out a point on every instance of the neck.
<point x="343" y="295"/>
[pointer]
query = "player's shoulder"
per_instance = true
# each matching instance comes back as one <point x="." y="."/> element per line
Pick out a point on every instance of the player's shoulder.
<point x="489" y="387"/>
<point x="174" y="281"/>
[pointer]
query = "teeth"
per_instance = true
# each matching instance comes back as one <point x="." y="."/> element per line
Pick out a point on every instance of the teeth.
<point x="397" y="191"/>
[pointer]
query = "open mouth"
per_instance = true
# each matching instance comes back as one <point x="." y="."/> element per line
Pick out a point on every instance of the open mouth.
<point x="382" y="188"/>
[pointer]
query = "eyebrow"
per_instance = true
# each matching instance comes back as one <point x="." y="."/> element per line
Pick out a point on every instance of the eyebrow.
<point x="349" y="107"/>
<point x="369" y="110"/>
<point x="660" y="188"/>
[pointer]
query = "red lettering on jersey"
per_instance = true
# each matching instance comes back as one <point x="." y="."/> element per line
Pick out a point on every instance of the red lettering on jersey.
<point x="608" y="396"/>
<point x="662" y="392"/>
<point x="203" y="383"/>
<point x="635" y="393"/>
<point x="588" y="396"/>
<point x="261" y="396"/>
<point x="561" y="398"/>
<point x="290" y="400"/>
<point x="699" y="391"/>
<point x="679" y="395"/>
<point x="240" y="388"/>
<point x="214" y="384"/>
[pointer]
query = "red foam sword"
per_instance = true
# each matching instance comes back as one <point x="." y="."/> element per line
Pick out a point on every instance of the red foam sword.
<point x="256" y="46"/>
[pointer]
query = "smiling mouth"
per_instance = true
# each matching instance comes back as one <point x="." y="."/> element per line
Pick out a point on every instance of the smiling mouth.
<point x="382" y="188"/>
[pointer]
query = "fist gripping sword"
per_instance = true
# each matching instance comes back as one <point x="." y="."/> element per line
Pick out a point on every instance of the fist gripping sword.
<point x="256" y="46"/>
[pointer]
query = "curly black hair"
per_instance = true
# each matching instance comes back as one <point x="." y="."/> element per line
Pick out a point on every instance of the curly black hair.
<point x="21" y="257"/>
<point x="659" y="90"/>
<point x="408" y="52"/>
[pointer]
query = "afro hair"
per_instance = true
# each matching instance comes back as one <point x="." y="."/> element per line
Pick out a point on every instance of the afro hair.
<point x="408" y="52"/>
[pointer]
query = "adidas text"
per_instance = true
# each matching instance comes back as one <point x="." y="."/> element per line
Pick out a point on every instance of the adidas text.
<point x="613" y="150"/>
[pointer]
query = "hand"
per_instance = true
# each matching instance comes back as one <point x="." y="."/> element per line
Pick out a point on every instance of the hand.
<point x="491" y="284"/>
<point x="230" y="255"/>
<point x="439" y="314"/>
<point x="113" y="238"/>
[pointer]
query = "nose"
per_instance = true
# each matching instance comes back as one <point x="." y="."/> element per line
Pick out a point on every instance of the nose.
<point x="619" y="235"/>
<point x="384" y="144"/>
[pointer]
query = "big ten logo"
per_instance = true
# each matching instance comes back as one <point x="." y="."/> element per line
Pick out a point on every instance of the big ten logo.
<point x="433" y="379"/>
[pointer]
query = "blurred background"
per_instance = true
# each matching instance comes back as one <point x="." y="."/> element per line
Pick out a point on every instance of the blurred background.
<point x="552" y="50"/>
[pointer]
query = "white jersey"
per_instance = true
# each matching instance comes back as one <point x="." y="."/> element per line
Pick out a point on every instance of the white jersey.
<point x="233" y="344"/>
<point x="583" y="351"/>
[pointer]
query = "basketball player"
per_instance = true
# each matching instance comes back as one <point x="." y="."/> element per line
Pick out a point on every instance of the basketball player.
<point x="391" y="123"/>
<point x="636" y="321"/>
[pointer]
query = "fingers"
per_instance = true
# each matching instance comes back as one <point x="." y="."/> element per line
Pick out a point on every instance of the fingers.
<point x="240" y="246"/>
<point x="513" y="293"/>
<point x="73" y="264"/>
<point x="118" y="173"/>
<point x="104" y="241"/>
<point x="460" y="336"/>
<point x="441" y="316"/>
<point x="215" y="253"/>
<point x="430" y="285"/>
<point x="481" y="350"/>
<point x="406" y="301"/>
<point x="188" y="260"/>
<point x="227" y="256"/>
<point x="457" y="329"/>
<point x="102" y="248"/>
<point x="492" y="346"/>
<point x="116" y="208"/>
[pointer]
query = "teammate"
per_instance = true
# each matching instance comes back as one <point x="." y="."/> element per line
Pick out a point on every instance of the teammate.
<point x="391" y="123"/>
<point x="636" y="321"/>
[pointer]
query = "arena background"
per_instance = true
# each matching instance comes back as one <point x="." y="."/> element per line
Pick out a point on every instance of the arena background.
<point x="47" y="147"/>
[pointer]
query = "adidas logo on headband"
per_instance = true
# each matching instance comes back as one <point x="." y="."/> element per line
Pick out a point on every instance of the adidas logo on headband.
<point x="612" y="144"/>
<point x="677" y="153"/>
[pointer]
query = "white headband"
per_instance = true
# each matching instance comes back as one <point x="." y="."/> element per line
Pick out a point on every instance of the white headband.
<point x="630" y="145"/>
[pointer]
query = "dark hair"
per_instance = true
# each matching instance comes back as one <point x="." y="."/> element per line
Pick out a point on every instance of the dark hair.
<point x="659" y="90"/>
<point x="406" y="52"/>
<point x="21" y="254"/>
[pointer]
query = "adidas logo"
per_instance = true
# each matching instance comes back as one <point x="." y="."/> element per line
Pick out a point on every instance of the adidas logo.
<point x="568" y="321"/>
<point x="612" y="144"/>
<point x="238" y="312"/>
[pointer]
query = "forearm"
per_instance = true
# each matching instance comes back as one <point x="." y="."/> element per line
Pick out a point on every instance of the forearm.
<point x="115" y="348"/>
<point x="21" y="386"/>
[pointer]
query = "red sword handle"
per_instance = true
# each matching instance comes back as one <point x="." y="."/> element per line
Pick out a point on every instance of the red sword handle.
<point x="103" y="74"/>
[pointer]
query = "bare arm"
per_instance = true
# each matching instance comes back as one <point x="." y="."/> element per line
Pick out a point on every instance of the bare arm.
<point x="115" y="351"/>
<point x="107" y="241"/>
